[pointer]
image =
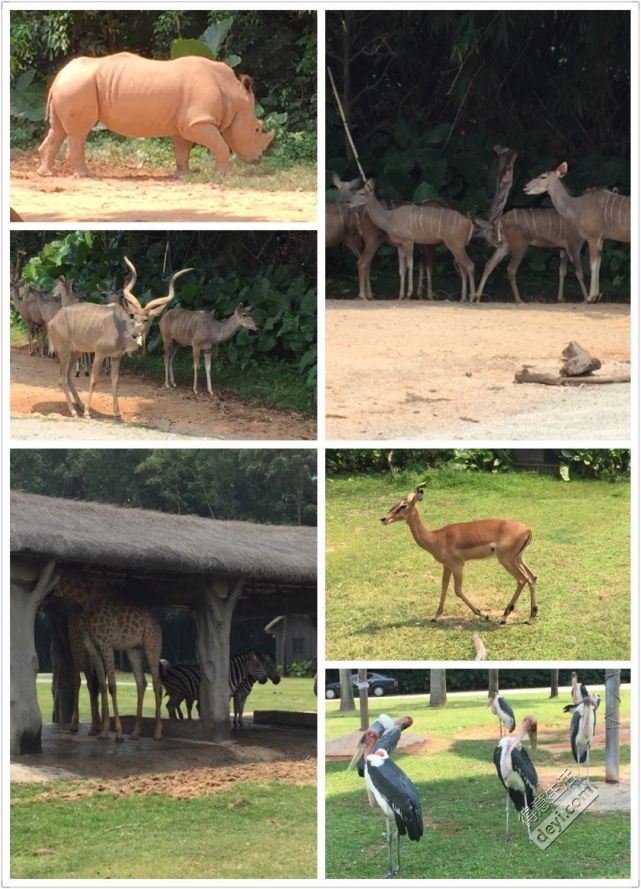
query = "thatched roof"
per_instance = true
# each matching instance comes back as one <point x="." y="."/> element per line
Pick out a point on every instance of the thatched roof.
<point x="156" y="542"/>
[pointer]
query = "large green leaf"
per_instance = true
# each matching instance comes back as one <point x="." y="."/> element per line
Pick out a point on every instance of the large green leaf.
<point x="189" y="47"/>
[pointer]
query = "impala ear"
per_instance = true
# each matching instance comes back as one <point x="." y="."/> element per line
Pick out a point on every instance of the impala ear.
<point x="419" y="493"/>
<point x="336" y="179"/>
<point x="561" y="170"/>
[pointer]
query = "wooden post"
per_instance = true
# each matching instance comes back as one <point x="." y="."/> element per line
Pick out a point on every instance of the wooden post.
<point x="347" y="692"/>
<point x="612" y="700"/>
<point x="493" y="682"/>
<point x="214" y="614"/>
<point x="30" y="583"/>
<point x="363" y="700"/>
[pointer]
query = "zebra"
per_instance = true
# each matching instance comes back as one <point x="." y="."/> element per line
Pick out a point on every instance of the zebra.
<point x="182" y="683"/>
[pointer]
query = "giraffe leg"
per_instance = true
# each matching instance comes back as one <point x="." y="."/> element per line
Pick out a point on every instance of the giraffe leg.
<point x="152" y="640"/>
<point x="110" y="670"/>
<point x="135" y="656"/>
<point x="93" y="688"/>
<point x="97" y="663"/>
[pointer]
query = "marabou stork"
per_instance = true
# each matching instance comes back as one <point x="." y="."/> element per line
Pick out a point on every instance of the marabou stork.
<point x="516" y="772"/>
<point x="582" y="733"/>
<point x="578" y="692"/>
<point x="385" y="733"/>
<point x="390" y="788"/>
<point x="500" y="707"/>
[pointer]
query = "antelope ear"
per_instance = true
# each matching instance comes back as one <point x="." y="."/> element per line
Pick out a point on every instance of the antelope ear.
<point x="369" y="186"/>
<point x="419" y="493"/>
<point x="561" y="170"/>
<point x="336" y="179"/>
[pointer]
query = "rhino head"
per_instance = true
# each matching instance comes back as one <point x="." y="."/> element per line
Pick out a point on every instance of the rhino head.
<point x="245" y="134"/>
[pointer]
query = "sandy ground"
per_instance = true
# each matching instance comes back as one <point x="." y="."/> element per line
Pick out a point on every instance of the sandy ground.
<point x="39" y="409"/>
<point x="446" y="371"/>
<point x="173" y="766"/>
<point x="129" y="194"/>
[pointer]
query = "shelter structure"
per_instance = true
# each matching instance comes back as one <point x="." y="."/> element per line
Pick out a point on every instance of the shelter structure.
<point x="218" y="569"/>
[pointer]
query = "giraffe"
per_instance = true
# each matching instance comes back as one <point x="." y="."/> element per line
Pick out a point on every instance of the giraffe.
<point x="81" y="663"/>
<point x="106" y="624"/>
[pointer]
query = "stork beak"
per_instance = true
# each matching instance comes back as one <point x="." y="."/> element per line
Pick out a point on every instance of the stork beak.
<point x="360" y="750"/>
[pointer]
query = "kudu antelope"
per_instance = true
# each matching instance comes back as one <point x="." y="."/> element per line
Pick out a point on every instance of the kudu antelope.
<point x="454" y="545"/>
<point x="108" y="331"/>
<point x="180" y="327"/>
<point x="598" y="214"/>
<point x="421" y="224"/>
<point x="353" y="227"/>
<point x="537" y="227"/>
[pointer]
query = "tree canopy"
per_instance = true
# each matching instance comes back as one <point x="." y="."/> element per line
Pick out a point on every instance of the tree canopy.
<point x="269" y="486"/>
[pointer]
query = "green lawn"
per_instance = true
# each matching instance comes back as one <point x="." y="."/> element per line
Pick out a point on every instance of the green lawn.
<point x="255" y="829"/>
<point x="72" y="829"/>
<point x="463" y="801"/>
<point x="290" y="694"/>
<point x="382" y="589"/>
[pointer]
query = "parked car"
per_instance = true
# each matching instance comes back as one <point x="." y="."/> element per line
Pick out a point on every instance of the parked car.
<point x="379" y="685"/>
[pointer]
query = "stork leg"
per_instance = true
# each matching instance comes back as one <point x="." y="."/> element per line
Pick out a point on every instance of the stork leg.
<point x="388" y="837"/>
<point x="588" y="768"/>
<point x="526" y="809"/>
<point x="398" y="852"/>
<point x="507" y="818"/>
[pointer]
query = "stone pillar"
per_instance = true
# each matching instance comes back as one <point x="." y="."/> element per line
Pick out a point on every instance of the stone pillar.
<point x="30" y="583"/>
<point x="214" y="614"/>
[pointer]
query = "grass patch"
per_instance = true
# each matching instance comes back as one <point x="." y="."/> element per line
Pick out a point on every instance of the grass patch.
<point x="290" y="694"/>
<point x="382" y="589"/>
<point x="463" y="802"/>
<point x="253" y="830"/>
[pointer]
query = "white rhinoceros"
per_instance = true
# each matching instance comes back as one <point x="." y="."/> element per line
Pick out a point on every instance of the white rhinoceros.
<point x="191" y="99"/>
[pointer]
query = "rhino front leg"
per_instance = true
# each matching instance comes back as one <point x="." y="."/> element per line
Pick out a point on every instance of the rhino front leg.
<point x="182" y="147"/>
<point x="206" y="134"/>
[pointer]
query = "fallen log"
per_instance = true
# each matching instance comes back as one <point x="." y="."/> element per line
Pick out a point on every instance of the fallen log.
<point x="528" y="376"/>
<point x="579" y="361"/>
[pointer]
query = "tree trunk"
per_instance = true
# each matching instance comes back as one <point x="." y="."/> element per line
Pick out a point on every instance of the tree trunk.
<point x="30" y="583"/>
<point x="493" y="681"/>
<point x="214" y="614"/>
<point x="347" y="692"/>
<point x="363" y="700"/>
<point x="438" y="688"/>
<point x="612" y="700"/>
<point x="554" y="683"/>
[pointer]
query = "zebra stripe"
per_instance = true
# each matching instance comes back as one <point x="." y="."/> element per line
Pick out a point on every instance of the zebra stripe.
<point x="182" y="682"/>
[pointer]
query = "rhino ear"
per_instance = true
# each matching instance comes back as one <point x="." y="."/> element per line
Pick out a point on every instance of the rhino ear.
<point x="247" y="82"/>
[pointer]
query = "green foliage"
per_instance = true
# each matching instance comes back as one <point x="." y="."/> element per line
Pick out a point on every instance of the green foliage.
<point x="353" y="460"/>
<point x="607" y="464"/>
<point x="482" y="459"/>
<point x="301" y="669"/>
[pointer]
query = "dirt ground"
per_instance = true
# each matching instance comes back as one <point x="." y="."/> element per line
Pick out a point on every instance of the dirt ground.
<point x="446" y="371"/>
<point x="129" y="194"/>
<point x="39" y="409"/>
<point x="176" y="767"/>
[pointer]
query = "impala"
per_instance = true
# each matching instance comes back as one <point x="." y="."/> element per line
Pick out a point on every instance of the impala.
<point x="454" y="545"/>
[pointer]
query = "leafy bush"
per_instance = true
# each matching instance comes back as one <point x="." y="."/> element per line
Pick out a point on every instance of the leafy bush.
<point x="482" y="459"/>
<point x="607" y="464"/>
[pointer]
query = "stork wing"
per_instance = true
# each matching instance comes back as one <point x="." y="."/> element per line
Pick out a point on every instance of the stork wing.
<point x="402" y="796"/>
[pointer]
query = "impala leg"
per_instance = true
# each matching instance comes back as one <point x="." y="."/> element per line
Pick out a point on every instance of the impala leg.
<point x="522" y="574"/>
<point x="458" y="589"/>
<point x="447" y="573"/>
